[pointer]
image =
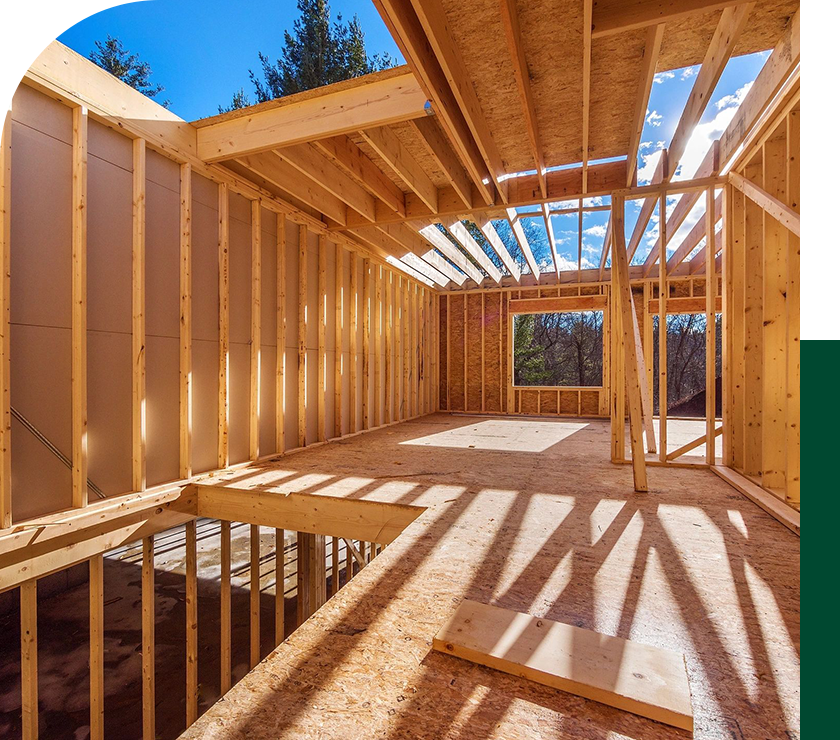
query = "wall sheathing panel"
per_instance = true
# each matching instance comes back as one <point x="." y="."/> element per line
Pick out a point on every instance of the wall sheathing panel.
<point x="205" y="324"/>
<point x="134" y="350"/>
<point x="474" y="375"/>
<point x="40" y="302"/>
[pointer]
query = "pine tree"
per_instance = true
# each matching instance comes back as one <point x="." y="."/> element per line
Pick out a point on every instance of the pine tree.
<point x="316" y="52"/>
<point x="113" y="57"/>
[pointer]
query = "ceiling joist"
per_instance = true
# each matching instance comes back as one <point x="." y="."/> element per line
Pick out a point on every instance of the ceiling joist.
<point x="438" y="147"/>
<point x="462" y="235"/>
<point x="495" y="241"/>
<point x="522" y="240"/>
<point x="615" y="16"/>
<point x="441" y="242"/>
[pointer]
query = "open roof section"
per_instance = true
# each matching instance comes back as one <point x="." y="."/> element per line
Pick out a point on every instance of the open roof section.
<point x="468" y="132"/>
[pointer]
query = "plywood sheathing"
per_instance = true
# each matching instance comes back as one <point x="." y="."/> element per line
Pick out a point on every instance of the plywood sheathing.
<point x="694" y="567"/>
<point x="474" y="375"/>
<point x="456" y="352"/>
<point x="686" y="40"/>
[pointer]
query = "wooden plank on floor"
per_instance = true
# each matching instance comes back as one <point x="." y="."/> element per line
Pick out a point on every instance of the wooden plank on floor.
<point x="279" y="586"/>
<point x="29" y="659"/>
<point x="254" y="593"/>
<point x="642" y="679"/>
<point x="147" y="595"/>
<point x="191" y="608"/>
<point x="97" y="647"/>
<point x="224" y="608"/>
<point x="779" y="510"/>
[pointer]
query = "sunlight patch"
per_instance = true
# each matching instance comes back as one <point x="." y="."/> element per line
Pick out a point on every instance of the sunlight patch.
<point x="506" y="436"/>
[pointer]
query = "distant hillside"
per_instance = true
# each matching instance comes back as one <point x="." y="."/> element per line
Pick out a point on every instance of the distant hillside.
<point x="695" y="406"/>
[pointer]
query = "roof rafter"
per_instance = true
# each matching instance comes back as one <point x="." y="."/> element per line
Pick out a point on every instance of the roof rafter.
<point x="391" y="149"/>
<point x="467" y="241"/>
<point x="278" y="172"/>
<point x="486" y="225"/>
<point x="402" y="21"/>
<point x="437" y="239"/>
<point x="522" y="240"/>
<point x="510" y="21"/>
<point x="359" y="166"/>
<point x="587" y="74"/>
<point x="549" y="233"/>
<point x="648" y="205"/>
<point x="437" y="145"/>
<point x="653" y="43"/>
<point x="425" y="268"/>
<point x="692" y="238"/>
<point x="310" y="163"/>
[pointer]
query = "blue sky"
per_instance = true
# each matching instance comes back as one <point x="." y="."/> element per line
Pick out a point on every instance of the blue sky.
<point x="201" y="51"/>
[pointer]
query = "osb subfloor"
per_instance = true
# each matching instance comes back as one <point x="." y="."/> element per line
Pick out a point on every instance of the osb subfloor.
<point x="528" y="515"/>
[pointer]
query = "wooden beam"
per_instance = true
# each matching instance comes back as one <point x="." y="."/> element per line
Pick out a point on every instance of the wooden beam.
<point x="280" y="370"/>
<point x="728" y="31"/>
<point x="405" y="27"/>
<point x="224" y="324"/>
<point x="191" y="626"/>
<point x="340" y="303"/>
<point x="5" y="313"/>
<point x="29" y="659"/>
<point x="634" y="677"/>
<point x="386" y="144"/>
<point x="693" y="445"/>
<point x="648" y="205"/>
<point x="321" y="394"/>
<point x="138" y="318"/>
<point x="254" y="595"/>
<point x="516" y="47"/>
<point x="522" y="240"/>
<point x="147" y="596"/>
<point x="300" y="118"/>
<point x="357" y="164"/>
<point x="653" y="43"/>
<point x="425" y="269"/>
<point x="438" y="239"/>
<point x="302" y="325"/>
<point x="354" y="331"/>
<point x="684" y="305"/>
<point x="647" y="403"/>
<point x="438" y="147"/>
<point x="389" y="330"/>
<point x="663" y="333"/>
<point x="550" y="238"/>
<point x="783" y="213"/>
<point x="698" y="262"/>
<point x="372" y="521"/>
<point x="279" y="586"/>
<point x="792" y="410"/>
<point x="366" y="319"/>
<point x="277" y="171"/>
<point x="78" y="375"/>
<point x="587" y="74"/>
<point x="376" y="341"/>
<point x="310" y="163"/>
<point x="692" y="239"/>
<point x="615" y="16"/>
<point x="224" y="607"/>
<point x="466" y="240"/>
<point x="631" y="368"/>
<point x="444" y="267"/>
<point x="96" y="621"/>
<point x="558" y="304"/>
<point x="256" y="340"/>
<point x="486" y="225"/>
<point x="185" y="325"/>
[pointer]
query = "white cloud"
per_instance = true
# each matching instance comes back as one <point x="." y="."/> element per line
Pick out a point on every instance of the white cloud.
<point x="689" y="72"/>
<point x="727" y="101"/>
<point x="564" y="263"/>
<point x="597" y="230"/>
<point x="653" y="118"/>
<point x="648" y="167"/>
<point x="662" y="76"/>
<point x="705" y="133"/>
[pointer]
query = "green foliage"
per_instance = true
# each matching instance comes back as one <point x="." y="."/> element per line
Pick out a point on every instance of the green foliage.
<point x="113" y="57"/>
<point x="317" y="52"/>
<point x="240" y="100"/>
<point x="558" y="349"/>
